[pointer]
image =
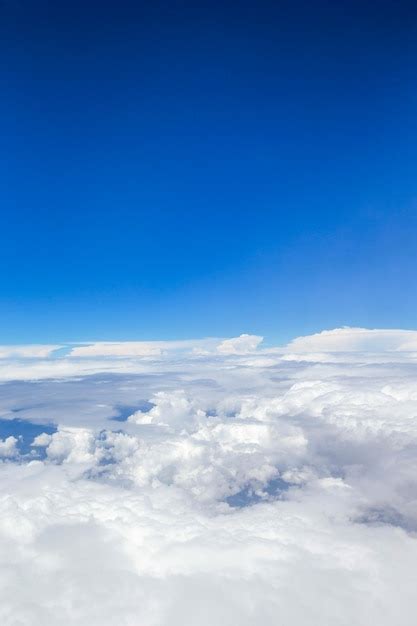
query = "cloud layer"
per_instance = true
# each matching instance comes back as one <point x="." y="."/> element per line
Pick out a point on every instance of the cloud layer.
<point x="212" y="482"/>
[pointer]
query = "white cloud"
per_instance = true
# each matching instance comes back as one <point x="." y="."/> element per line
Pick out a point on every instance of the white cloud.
<point x="140" y="348"/>
<point x="239" y="345"/>
<point x="126" y="348"/>
<point x="250" y="488"/>
<point x="8" y="447"/>
<point x="356" y="340"/>
<point x="29" y="351"/>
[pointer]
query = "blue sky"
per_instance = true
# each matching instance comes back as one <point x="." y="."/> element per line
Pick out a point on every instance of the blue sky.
<point x="173" y="171"/>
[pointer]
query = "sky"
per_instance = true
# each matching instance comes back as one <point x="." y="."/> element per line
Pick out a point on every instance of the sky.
<point x="208" y="347"/>
<point x="179" y="170"/>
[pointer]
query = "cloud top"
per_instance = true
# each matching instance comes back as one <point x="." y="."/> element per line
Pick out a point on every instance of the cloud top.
<point x="356" y="340"/>
<point x="212" y="482"/>
<point x="239" y="345"/>
<point x="28" y="351"/>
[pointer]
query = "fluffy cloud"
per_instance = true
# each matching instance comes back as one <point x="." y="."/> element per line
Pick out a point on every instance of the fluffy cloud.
<point x="8" y="447"/>
<point x="232" y="485"/>
<point x="239" y="345"/>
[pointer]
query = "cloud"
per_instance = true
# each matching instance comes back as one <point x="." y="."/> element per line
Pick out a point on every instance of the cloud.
<point x="126" y="348"/>
<point x="244" y="487"/>
<point x="239" y="345"/>
<point x="356" y="340"/>
<point x="27" y="352"/>
<point x="140" y="348"/>
<point x="8" y="447"/>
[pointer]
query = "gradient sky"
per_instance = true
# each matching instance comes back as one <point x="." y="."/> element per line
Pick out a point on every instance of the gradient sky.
<point x="175" y="170"/>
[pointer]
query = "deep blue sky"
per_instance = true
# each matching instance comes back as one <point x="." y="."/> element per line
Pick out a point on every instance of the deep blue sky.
<point x="187" y="169"/>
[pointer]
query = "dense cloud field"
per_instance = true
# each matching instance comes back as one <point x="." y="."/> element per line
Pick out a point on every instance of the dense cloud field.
<point x="210" y="482"/>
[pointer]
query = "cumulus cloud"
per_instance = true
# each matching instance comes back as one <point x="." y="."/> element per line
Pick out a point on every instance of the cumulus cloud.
<point x="239" y="345"/>
<point x="8" y="447"/>
<point x="233" y="485"/>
